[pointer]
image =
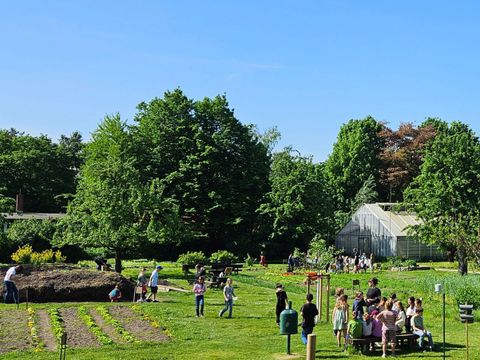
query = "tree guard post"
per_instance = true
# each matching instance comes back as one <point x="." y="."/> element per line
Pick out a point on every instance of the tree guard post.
<point x="319" y="294"/>
<point x="311" y="346"/>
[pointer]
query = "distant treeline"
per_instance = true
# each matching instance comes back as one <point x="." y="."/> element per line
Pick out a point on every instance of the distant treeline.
<point x="188" y="175"/>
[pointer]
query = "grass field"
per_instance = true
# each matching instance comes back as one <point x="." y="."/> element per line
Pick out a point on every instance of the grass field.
<point x="252" y="333"/>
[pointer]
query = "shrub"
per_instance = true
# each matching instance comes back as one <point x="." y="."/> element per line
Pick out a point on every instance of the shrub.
<point x="26" y="255"/>
<point x="23" y="255"/>
<point x="468" y="294"/>
<point x="222" y="257"/>
<point x="192" y="258"/>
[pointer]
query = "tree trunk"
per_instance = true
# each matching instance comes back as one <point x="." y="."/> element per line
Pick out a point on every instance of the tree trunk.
<point x="462" y="262"/>
<point x="118" y="261"/>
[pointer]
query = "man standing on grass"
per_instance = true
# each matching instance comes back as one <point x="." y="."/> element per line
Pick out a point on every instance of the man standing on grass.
<point x="11" y="291"/>
<point x="308" y="312"/>
<point x="153" y="283"/>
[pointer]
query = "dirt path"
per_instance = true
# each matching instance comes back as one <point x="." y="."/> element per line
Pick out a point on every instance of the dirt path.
<point x="14" y="332"/>
<point x="135" y="325"/>
<point x="106" y="328"/>
<point x="78" y="334"/>
<point x="45" y="330"/>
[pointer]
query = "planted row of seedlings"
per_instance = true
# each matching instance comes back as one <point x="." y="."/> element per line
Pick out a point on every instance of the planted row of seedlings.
<point x="37" y="343"/>
<point x="109" y="319"/>
<point x="98" y="322"/>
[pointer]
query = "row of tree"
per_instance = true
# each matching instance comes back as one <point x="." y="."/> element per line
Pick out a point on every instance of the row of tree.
<point x="188" y="175"/>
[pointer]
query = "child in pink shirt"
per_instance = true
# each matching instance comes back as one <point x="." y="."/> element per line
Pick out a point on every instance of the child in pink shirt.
<point x="388" y="317"/>
<point x="199" y="290"/>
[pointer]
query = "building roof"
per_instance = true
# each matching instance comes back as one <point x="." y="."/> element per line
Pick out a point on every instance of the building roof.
<point x="30" y="216"/>
<point x="395" y="221"/>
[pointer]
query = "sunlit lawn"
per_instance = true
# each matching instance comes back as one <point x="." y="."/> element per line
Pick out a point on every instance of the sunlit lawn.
<point x="252" y="333"/>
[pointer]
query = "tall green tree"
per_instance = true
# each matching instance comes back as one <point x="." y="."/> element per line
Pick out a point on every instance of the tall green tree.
<point x="299" y="205"/>
<point x="38" y="168"/>
<point x="209" y="163"/>
<point x="354" y="159"/>
<point x="446" y="194"/>
<point x="113" y="208"/>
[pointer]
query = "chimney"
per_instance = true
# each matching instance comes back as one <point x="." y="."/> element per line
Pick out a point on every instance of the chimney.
<point x="19" y="203"/>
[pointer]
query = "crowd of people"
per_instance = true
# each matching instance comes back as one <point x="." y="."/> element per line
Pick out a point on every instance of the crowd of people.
<point x="356" y="263"/>
<point x="379" y="317"/>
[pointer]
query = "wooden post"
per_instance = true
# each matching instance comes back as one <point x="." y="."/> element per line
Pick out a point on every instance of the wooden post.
<point x="311" y="346"/>
<point x="328" y="297"/>
<point x="319" y="295"/>
<point x="466" y="329"/>
<point x="26" y="299"/>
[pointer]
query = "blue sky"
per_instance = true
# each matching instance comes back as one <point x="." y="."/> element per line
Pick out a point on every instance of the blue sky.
<point x="305" y="66"/>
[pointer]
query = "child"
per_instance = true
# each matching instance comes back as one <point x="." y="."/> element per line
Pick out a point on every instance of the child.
<point x="282" y="300"/>
<point x="308" y="312"/>
<point x="115" y="294"/>
<point x="374" y="306"/>
<point x="402" y="317"/>
<point x="340" y="318"/>
<point x="389" y="333"/>
<point x="410" y="312"/>
<point x="381" y="306"/>
<point x="358" y="305"/>
<point x="355" y="328"/>
<point x="228" y="295"/>
<point x="376" y="324"/>
<point x="142" y="282"/>
<point x="367" y="326"/>
<point x="419" y="329"/>
<point x="199" y="289"/>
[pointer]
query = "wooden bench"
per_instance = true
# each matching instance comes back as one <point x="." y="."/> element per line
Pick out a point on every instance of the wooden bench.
<point x="216" y="282"/>
<point x="236" y="268"/>
<point x="402" y="339"/>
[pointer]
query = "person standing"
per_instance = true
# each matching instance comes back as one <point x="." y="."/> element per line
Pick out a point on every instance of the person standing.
<point x="11" y="291"/>
<point x="228" y="296"/>
<point x="199" y="290"/>
<point x="153" y="283"/>
<point x="291" y="263"/>
<point x="263" y="259"/>
<point x="308" y="312"/>
<point x="282" y="300"/>
<point x="340" y="319"/>
<point x="388" y="318"/>
<point x="373" y="292"/>
<point x="142" y="282"/>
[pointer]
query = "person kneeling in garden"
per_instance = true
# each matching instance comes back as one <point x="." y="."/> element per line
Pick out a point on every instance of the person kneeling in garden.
<point x="115" y="294"/>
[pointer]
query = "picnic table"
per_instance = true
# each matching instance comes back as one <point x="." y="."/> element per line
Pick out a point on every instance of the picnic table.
<point x="403" y="339"/>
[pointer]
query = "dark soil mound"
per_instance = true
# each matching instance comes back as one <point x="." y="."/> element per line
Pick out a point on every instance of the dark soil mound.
<point x="68" y="283"/>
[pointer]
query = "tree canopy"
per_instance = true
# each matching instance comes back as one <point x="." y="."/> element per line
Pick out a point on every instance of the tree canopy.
<point x="446" y="193"/>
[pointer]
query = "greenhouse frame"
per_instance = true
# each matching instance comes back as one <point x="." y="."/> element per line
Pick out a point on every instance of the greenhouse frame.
<point x="379" y="229"/>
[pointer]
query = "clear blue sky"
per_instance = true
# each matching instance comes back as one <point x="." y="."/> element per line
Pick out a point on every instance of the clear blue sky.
<point x="304" y="66"/>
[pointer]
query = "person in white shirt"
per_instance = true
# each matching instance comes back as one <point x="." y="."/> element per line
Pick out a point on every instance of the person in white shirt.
<point x="153" y="283"/>
<point x="11" y="291"/>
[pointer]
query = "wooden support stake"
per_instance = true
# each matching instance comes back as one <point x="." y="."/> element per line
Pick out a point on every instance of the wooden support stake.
<point x="328" y="297"/>
<point x="26" y="297"/>
<point x="320" y="296"/>
<point x="311" y="346"/>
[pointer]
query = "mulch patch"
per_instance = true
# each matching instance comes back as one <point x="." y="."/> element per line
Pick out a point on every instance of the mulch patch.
<point x="45" y="330"/>
<point x="14" y="331"/>
<point x="139" y="328"/>
<point x="78" y="334"/>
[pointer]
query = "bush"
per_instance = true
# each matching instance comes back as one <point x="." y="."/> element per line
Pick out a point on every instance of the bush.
<point x="192" y="258"/>
<point x="23" y="255"/>
<point x="222" y="257"/>
<point x="26" y="255"/>
<point x="468" y="294"/>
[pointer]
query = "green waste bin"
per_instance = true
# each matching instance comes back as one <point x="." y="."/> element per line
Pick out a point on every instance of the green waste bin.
<point x="288" y="323"/>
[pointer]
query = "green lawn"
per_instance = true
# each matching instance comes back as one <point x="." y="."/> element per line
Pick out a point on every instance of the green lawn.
<point x="252" y="333"/>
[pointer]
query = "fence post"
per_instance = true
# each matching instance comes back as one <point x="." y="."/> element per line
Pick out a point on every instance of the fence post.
<point x="311" y="346"/>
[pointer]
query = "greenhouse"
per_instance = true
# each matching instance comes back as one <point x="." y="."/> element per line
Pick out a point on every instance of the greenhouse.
<point x="379" y="229"/>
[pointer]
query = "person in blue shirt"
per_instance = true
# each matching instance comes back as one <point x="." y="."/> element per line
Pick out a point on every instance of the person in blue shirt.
<point x="115" y="294"/>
